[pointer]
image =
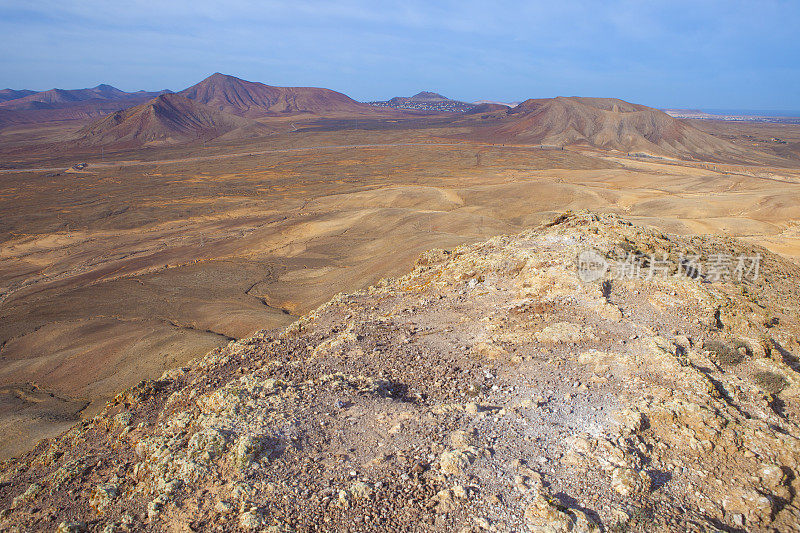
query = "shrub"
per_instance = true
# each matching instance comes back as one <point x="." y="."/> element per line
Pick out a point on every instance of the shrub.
<point x="771" y="382"/>
<point x="727" y="353"/>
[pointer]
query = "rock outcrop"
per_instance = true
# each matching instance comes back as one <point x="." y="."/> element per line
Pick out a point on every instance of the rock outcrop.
<point x="494" y="388"/>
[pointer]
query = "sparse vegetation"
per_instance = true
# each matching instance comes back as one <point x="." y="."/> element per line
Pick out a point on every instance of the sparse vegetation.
<point x="727" y="353"/>
<point x="771" y="382"/>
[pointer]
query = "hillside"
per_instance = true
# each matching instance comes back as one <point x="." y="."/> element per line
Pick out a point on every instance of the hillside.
<point x="69" y="104"/>
<point x="494" y="388"/>
<point x="487" y="108"/>
<point x="610" y="123"/>
<point x="58" y="97"/>
<point x="11" y="94"/>
<point x="166" y="119"/>
<point x="252" y="99"/>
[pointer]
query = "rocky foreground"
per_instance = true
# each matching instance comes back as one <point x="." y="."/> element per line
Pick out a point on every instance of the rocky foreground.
<point x="491" y="389"/>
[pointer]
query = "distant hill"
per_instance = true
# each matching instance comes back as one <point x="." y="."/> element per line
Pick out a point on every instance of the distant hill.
<point x="166" y="119"/>
<point x="424" y="96"/>
<point x="220" y="105"/>
<point x="68" y="104"/>
<point x="487" y="108"/>
<point x="507" y="104"/>
<point x="426" y="101"/>
<point x="55" y="98"/>
<point x="610" y="123"/>
<point x="11" y="94"/>
<point x="251" y="99"/>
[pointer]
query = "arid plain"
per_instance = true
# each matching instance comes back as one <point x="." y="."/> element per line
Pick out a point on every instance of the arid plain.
<point x="151" y="256"/>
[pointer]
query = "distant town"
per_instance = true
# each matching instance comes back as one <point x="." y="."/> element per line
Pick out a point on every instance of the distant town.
<point x="741" y="116"/>
<point x="426" y="101"/>
<point x="452" y="106"/>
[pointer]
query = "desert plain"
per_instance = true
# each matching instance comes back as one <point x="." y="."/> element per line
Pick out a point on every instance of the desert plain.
<point x="152" y="255"/>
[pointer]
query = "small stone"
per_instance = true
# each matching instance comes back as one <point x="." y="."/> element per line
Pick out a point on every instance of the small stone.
<point x="772" y="476"/>
<point x="619" y="516"/>
<point x="455" y="461"/>
<point x="206" y="445"/>
<point x="155" y="507"/>
<point x="223" y="507"/>
<point x="462" y="439"/>
<point x="247" y="449"/>
<point x="103" y="495"/>
<point x="251" y="520"/>
<point x="71" y="527"/>
<point x="545" y="515"/>
<point x="627" y="481"/>
<point x="362" y="490"/>
<point x="447" y="499"/>
<point x="343" y="498"/>
<point x="631" y="420"/>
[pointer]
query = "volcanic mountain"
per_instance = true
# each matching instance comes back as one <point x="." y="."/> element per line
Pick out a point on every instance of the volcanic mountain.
<point x="30" y="107"/>
<point x="610" y="123"/>
<point x="251" y="99"/>
<point x="420" y="97"/>
<point x="166" y="119"/>
<point x="58" y="97"/>
<point x="11" y="94"/>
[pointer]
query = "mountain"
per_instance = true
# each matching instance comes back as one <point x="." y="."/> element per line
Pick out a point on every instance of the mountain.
<point x="251" y="99"/>
<point x="69" y="104"/>
<point x="11" y="94"/>
<point x="610" y="123"/>
<point x="55" y="98"/>
<point x="420" y="97"/>
<point x="166" y="119"/>
<point x="487" y="107"/>
<point x="214" y="107"/>
<point x="507" y="104"/>
<point x="425" y="101"/>
<point x="496" y="387"/>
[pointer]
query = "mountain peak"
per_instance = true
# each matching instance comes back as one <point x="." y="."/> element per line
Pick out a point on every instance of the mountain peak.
<point x="167" y="118"/>
<point x="219" y="77"/>
<point x="428" y="95"/>
<point x="611" y="124"/>
<point x="253" y="99"/>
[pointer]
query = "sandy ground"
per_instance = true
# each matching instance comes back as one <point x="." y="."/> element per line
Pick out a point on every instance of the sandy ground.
<point x="149" y="259"/>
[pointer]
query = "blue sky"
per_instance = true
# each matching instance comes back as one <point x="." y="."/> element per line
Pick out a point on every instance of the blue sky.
<point x="706" y="54"/>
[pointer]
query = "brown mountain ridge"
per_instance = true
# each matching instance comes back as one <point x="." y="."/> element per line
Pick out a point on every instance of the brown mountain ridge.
<point x="166" y="119"/>
<point x="610" y="123"/>
<point x="252" y="99"/>
<point x="13" y="94"/>
<point x="214" y="107"/>
<point x="30" y="107"/>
